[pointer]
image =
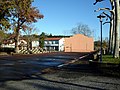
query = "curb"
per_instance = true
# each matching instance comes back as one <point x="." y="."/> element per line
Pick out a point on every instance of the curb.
<point x="72" y="61"/>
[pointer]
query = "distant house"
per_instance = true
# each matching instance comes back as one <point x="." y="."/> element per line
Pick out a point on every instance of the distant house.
<point x="76" y="43"/>
<point x="54" y="44"/>
<point x="35" y="43"/>
<point x="79" y="43"/>
<point x="22" y="44"/>
<point x="10" y="42"/>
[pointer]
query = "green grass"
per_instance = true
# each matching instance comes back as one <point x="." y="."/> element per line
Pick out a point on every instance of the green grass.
<point x="110" y="59"/>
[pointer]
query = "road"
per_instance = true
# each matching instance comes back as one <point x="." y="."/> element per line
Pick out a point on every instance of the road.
<point x="23" y="72"/>
<point x="23" y="66"/>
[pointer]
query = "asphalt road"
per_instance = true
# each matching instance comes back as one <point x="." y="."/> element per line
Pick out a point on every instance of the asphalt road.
<point x="23" y="66"/>
<point x="23" y="72"/>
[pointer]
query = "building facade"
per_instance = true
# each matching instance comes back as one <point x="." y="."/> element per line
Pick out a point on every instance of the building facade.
<point x="10" y="42"/>
<point x="35" y="43"/>
<point x="54" y="44"/>
<point x="79" y="43"/>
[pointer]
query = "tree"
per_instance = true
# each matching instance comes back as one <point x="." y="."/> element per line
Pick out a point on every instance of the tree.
<point x="41" y="39"/>
<point x="82" y="29"/>
<point x="97" y="45"/>
<point x="29" y="30"/>
<point x="105" y="45"/>
<point x="117" y="25"/>
<point x="2" y="36"/>
<point x="23" y="13"/>
<point x="5" y="6"/>
<point x="98" y="1"/>
<point x="114" y="26"/>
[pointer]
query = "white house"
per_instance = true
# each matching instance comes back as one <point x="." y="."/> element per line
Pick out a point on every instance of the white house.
<point x="11" y="44"/>
<point x="54" y="44"/>
<point x="35" y="43"/>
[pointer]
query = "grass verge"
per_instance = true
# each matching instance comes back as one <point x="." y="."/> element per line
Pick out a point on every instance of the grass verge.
<point x="110" y="59"/>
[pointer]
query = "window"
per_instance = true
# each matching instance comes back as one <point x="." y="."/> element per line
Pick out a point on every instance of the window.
<point x="53" y="42"/>
<point x="50" y="42"/>
<point x="56" y="42"/>
<point x="45" y="42"/>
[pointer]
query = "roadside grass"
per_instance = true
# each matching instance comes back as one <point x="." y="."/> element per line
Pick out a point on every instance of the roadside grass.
<point x="105" y="59"/>
<point x="108" y="67"/>
<point x="110" y="59"/>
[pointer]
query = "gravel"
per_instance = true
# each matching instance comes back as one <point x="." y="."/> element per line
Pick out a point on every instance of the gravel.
<point x="64" y="80"/>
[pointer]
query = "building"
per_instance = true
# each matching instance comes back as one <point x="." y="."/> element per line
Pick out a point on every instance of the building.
<point x="10" y="42"/>
<point x="76" y="43"/>
<point x="22" y="43"/>
<point x="54" y="44"/>
<point x="79" y="43"/>
<point x="35" y="43"/>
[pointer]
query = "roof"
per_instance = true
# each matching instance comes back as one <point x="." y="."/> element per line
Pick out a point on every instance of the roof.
<point x="11" y="39"/>
<point x="52" y="39"/>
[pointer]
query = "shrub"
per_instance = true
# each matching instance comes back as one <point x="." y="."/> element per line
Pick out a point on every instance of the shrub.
<point x="8" y="50"/>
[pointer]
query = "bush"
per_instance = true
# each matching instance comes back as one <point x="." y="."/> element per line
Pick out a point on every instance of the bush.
<point x="8" y="50"/>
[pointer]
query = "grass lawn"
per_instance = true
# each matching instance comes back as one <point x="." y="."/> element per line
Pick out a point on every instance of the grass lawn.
<point x="110" y="59"/>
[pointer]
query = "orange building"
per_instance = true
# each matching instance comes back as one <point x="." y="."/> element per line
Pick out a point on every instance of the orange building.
<point x="79" y="43"/>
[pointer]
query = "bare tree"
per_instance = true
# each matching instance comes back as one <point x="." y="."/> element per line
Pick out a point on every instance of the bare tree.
<point x="114" y="26"/>
<point x="82" y="29"/>
<point x="29" y="30"/>
<point x="117" y="17"/>
<point x="97" y="1"/>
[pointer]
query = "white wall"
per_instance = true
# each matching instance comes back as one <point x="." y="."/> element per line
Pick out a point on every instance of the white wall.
<point x="35" y="43"/>
<point x="8" y="45"/>
<point x="61" y="44"/>
<point x="13" y="44"/>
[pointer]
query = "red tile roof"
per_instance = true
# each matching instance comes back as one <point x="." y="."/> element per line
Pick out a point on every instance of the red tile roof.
<point x="52" y="39"/>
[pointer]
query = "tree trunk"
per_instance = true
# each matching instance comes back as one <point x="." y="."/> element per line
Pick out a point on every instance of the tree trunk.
<point x="17" y="41"/>
<point x="113" y="35"/>
<point x="110" y="38"/>
<point x="116" y="47"/>
<point x="112" y="28"/>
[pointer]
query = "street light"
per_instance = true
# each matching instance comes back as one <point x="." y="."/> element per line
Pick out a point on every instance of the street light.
<point x="100" y="17"/>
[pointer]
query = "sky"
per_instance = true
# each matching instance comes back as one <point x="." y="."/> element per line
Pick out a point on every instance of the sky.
<point x="60" y="16"/>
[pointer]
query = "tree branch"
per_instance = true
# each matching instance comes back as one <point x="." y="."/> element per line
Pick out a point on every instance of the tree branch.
<point x="22" y="22"/>
<point x="106" y="23"/>
<point x="97" y="1"/>
<point x="107" y="9"/>
<point x="107" y="16"/>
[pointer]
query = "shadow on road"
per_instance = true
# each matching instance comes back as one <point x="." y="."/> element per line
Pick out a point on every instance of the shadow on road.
<point x="53" y="85"/>
<point x="22" y="72"/>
